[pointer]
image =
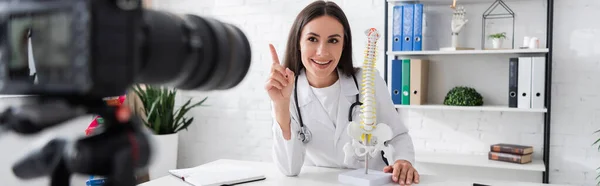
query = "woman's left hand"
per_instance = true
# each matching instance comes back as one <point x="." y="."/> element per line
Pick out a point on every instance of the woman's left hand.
<point x="403" y="172"/>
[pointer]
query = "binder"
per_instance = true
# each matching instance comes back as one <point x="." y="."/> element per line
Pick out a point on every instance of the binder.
<point x="396" y="81"/>
<point x="424" y="34"/>
<point x="513" y="69"/>
<point x="524" y="82"/>
<point x="397" y="28"/>
<point x="405" y="82"/>
<point x="419" y="70"/>
<point x="418" y="27"/>
<point x="538" y="82"/>
<point x="407" y="27"/>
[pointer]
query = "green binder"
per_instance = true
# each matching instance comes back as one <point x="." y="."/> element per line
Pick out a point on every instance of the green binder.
<point x="405" y="82"/>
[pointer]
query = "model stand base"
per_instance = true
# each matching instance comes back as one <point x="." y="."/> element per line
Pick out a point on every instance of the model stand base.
<point x="359" y="178"/>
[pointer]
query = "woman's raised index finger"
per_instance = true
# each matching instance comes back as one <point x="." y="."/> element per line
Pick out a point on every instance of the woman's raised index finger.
<point x="274" y="54"/>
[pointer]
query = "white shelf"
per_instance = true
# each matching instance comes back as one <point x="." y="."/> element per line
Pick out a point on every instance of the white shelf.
<point x="457" y="52"/>
<point x="447" y="2"/>
<point x="476" y="161"/>
<point x="500" y="108"/>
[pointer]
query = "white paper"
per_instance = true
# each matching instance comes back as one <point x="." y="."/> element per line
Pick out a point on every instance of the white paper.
<point x="217" y="175"/>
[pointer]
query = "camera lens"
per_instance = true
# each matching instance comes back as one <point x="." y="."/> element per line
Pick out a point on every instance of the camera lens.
<point x="190" y="52"/>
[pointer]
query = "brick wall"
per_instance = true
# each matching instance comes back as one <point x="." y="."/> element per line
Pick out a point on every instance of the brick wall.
<point x="237" y="122"/>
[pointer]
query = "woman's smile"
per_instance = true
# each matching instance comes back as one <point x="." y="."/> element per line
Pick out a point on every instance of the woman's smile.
<point x="321" y="64"/>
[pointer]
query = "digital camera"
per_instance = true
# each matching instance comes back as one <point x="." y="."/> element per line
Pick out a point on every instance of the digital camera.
<point x="99" y="48"/>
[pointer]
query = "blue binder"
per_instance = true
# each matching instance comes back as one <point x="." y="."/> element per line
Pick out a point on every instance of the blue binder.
<point x="396" y="81"/>
<point x="418" y="28"/>
<point x="397" y="29"/>
<point x="407" y="27"/>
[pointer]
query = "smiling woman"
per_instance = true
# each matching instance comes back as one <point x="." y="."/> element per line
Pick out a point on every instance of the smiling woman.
<point x="318" y="72"/>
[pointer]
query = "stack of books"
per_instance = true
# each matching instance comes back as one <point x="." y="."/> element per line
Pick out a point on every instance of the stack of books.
<point x="512" y="153"/>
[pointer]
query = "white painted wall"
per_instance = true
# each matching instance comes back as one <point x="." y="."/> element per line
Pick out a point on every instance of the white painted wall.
<point x="237" y="122"/>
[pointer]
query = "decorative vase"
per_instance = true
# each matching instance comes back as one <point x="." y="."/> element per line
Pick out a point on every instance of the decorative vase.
<point x="496" y="43"/>
<point x="164" y="155"/>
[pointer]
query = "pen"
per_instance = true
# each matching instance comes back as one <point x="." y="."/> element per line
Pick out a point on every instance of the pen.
<point x="478" y="184"/>
<point x="243" y="182"/>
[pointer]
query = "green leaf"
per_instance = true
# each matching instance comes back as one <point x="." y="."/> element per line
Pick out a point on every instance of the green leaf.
<point x="199" y="103"/>
<point x="151" y="113"/>
<point x="186" y="123"/>
<point x="179" y="113"/>
<point x="156" y="125"/>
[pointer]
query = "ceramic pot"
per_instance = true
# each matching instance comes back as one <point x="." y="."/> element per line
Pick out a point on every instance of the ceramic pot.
<point x="496" y="43"/>
<point x="164" y="157"/>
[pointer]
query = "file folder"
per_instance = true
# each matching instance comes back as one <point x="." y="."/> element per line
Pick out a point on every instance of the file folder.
<point x="419" y="73"/>
<point x="425" y="38"/>
<point x="396" y="81"/>
<point x="397" y="28"/>
<point x="513" y="70"/>
<point x="418" y="27"/>
<point x="524" y="82"/>
<point x="407" y="27"/>
<point x="538" y="82"/>
<point x="405" y="82"/>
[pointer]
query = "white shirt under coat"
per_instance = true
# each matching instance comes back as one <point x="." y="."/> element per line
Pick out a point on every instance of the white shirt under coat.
<point x="328" y="138"/>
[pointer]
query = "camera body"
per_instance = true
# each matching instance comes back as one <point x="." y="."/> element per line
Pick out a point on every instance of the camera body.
<point x="99" y="48"/>
<point x="81" y="47"/>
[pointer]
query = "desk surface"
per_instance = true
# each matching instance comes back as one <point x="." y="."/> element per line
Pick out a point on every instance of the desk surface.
<point x="319" y="176"/>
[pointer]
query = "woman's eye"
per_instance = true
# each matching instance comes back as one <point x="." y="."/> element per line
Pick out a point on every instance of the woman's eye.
<point x="333" y="41"/>
<point x="312" y="39"/>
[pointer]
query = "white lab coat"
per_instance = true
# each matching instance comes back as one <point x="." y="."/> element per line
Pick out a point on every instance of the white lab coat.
<point x="326" y="147"/>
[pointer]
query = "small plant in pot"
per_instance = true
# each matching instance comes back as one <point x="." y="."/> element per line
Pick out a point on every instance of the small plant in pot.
<point x="597" y="169"/>
<point x="497" y="39"/>
<point x="463" y="96"/>
<point x="165" y="121"/>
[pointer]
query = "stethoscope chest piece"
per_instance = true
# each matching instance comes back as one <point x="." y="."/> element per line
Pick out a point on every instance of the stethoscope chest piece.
<point x="304" y="135"/>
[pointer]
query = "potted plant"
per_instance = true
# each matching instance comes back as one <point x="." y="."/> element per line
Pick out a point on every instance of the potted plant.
<point x="165" y="121"/>
<point x="598" y="169"/>
<point x="463" y="96"/>
<point x="497" y="39"/>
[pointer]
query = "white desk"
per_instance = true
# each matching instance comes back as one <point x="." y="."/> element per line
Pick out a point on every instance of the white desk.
<point x="318" y="176"/>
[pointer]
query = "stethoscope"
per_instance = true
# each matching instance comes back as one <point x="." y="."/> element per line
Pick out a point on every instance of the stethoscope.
<point x="304" y="134"/>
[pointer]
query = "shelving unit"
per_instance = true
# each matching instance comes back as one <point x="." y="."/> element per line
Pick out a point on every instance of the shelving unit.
<point x="462" y="52"/>
<point x="498" y="108"/>
<point x="441" y="2"/>
<point x="477" y="160"/>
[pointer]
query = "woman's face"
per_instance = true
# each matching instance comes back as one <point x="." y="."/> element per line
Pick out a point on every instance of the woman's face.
<point x="321" y="44"/>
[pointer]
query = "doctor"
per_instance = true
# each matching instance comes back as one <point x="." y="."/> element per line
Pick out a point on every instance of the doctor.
<point x="319" y="50"/>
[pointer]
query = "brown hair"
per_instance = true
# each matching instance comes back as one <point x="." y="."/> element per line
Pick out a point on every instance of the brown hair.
<point x="292" y="59"/>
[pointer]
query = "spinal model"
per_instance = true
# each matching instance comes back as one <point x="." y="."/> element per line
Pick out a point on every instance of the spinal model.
<point x="368" y="137"/>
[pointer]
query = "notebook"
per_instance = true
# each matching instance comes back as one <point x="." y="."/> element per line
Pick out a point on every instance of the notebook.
<point x="218" y="175"/>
